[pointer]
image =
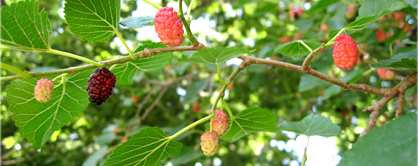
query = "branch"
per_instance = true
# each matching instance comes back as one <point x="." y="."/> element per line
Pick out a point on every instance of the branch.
<point x="123" y="59"/>
<point x="399" y="105"/>
<point x="153" y="104"/>
<point x="344" y="85"/>
<point x="375" y="114"/>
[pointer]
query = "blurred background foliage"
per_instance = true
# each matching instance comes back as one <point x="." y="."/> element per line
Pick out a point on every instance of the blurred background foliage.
<point x="189" y="88"/>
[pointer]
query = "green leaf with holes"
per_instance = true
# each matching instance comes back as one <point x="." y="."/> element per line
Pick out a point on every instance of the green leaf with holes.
<point x="138" y="22"/>
<point x="214" y="55"/>
<point x="406" y="61"/>
<point x="313" y="124"/>
<point x="22" y="27"/>
<point x="394" y="143"/>
<point x="148" y="147"/>
<point x="95" y="21"/>
<point x="37" y="121"/>
<point x="297" y="49"/>
<point x="125" y="72"/>
<point x="248" y="121"/>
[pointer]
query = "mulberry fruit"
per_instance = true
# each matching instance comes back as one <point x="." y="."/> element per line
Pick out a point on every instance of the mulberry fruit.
<point x="345" y="52"/>
<point x="43" y="90"/>
<point x="220" y="123"/>
<point x="209" y="143"/>
<point x="169" y="27"/>
<point x="100" y="85"/>
<point x="386" y="74"/>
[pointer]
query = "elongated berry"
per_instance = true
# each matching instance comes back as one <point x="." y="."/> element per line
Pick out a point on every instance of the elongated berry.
<point x="386" y="74"/>
<point x="220" y="123"/>
<point x="100" y="85"/>
<point x="169" y="27"/>
<point x="345" y="52"/>
<point x="209" y="143"/>
<point x="43" y="90"/>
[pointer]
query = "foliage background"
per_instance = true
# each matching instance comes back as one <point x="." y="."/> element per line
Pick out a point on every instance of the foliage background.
<point x="247" y="23"/>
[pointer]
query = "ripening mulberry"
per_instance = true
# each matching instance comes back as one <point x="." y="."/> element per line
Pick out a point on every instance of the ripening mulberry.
<point x="209" y="143"/>
<point x="169" y="27"/>
<point x="100" y="85"/>
<point x="386" y="74"/>
<point x="345" y="52"/>
<point x="220" y="123"/>
<point x="44" y="89"/>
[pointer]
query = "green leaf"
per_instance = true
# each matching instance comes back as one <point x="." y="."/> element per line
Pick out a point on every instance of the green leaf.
<point x="37" y="121"/>
<point x="187" y="155"/>
<point x="308" y="82"/>
<point x="95" y="21"/>
<point x="22" y="27"/>
<point x="396" y="34"/>
<point x="375" y="7"/>
<point x="96" y="157"/>
<point x="138" y="22"/>
<point x="248" y="121"/>
<point x="394" y="143"/>
<point x="407" y="41"/>
<point x="311" y="125"/>
<point x="106" y="138"/>
<point x="412" y="3"/>
<point x="148" y="147"/>
<point x="403" y="61"/>
<point x="365" y="21"/>
<point x="322" y="4"/>
<point x="125" y="72"/>
<point x="296" y="49"/>
<point x="351" y="77"/>
<point x="214" y="55"/>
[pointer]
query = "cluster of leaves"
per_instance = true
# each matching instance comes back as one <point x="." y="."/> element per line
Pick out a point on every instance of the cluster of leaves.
<point x="148" y="146"/>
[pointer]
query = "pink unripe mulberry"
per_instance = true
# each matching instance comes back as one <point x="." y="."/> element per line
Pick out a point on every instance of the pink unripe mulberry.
<point x="345" y="52"/>
<point x="386" y="74"/>
<point x="43" y="90"/>
<point x="220" y="123"/>
<point x="209" y="143"/>
<point x="169" y="27"/>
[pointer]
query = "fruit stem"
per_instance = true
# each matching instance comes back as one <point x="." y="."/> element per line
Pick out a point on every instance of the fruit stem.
<point x="186" y="24"/>
<point x="305" y="156"/>
<point x="391" y="49"/>
<point x="113" y="67"/>
<point x="191" y="126"/>
<point x="227" y="109"/>
<point x="153" y="4"/>
<point x="220" y="76"/>
<point x="212" y="114"/>
<point x="189" y="10"/>
<point x="126" y="46"/>
<point x="52" y="51"/>
<point x="333" y="38"/>
<point x="15" y="70"/>
<point x="58" y="77"/>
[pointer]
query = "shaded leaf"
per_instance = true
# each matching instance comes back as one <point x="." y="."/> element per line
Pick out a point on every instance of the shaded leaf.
<point x="322" y="4"/>
<point x="138" y="22"/>
<point x="351" y="77"/>
<point x="95" y="21"/>
<point x="37" y="121"/>
<point x="248" y="121"/>
<point x="106" y="138"/>
<point x="22" y="27"/>
<point x="214" y="55"/>
<point x="125" y="72"/>
<point x="394" y="143"/>
<point x="148" y="147"/>
<point x="296" y="49"/>
<point x="402" y="61"/>
<point x="311" y="125"/>
<point x="375" y="7"/>
<point x="308" y="82"/>
<point x="96" y="157"/>
<point x="187" y="155"/>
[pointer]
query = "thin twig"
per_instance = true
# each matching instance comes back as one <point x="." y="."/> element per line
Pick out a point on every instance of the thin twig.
<point x="10" y="162"/>
<point x="5" y="156"/>
<point x="154" y="103"/>
<point x="375" y="114"/>
<point x="399" y="105"/>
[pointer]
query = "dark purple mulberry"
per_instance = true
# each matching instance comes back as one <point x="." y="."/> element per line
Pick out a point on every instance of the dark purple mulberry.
<point x="101" y="84"/>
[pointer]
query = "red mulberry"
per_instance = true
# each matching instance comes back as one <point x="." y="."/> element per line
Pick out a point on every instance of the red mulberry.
<point x="169" y="27"/>
<point x="43" y="90"/>
<point x="345" y="52"/>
